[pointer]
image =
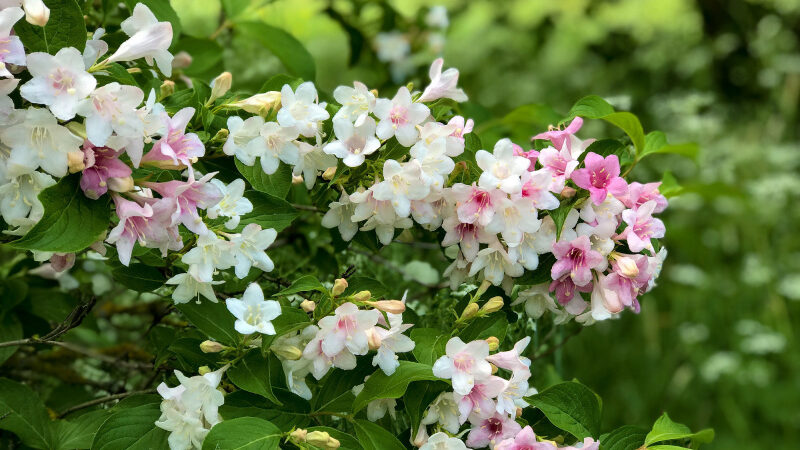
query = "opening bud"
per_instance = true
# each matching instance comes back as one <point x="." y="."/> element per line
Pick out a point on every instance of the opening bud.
<point x="389" y="306"/>
<point x="221" y="85"/>
<point x="298" y="435"/>
<point x="75" y="161"/>
<point x="373" y="339"/>
<point x="493" y="342"/>
<point x="329" y="173"/>
<point x="288" y="352"/>
<point x="36" y="13"/>
<point x="519" y="412"/>
<point x="181" y="60"/>
<point x="627" y="267"/>
<point x="470" y="311"/>
<point x="77" y="128"/>
<point x="308" y="305"/>
<point x="362" y="296"/>
<point x="260" y="104"/>
<point x="339" y="286"/>
<point x="117" y="184"/>
<point x="203" y="370"/>
<point x="167" y="89"/>
<point x="318" y="438"/>
<point x="221" y="136"/>
<point x="568" y="192"/>
<point x="493" y="305"/>
<point x="482" y="288"/>
<point x="211" y="347"/>
<point x="333" y="443"/>
<point x="494" y="368"/>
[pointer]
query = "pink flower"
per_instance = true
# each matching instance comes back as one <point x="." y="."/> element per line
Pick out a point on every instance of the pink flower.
<point x="512" y="360"/>
<point x="468" y="235"/>
<point x="600" y="177"/>
<point x="464" y="364"/>
<point x="321" y="363"/>
<point x="531" y="155"/>
<point x="479" y="400"/>
<point x="560" y="164"/>
<point x="176" y="144"/>
<point x="143" y="223"/>
<point x="492" y="430"/>
<point x="568" y="295"/>
<point x="561" y="137"/>
<point x="101" y="164"/>
<point x="347" y="329"/>
<point x="474" y="204"/>
<point x="524" y="440"/>
<point x="461" y="127"/>
<point x="184" y="197"/>
<point x="577" y="259"/>
<point x="639" y="194"/>
<point x="535" y="185"/>
<point x="443" y="84"/>
<point x="642" y="227"/>
<point x="629" y="275"/>
<point x="11" y="50"/>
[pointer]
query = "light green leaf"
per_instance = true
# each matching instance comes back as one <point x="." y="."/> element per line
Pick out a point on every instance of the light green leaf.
<point x="594" y="107"/>
<point x="430" y="344"/>
<point x="65" y="28"/>
<point x="656" y="142"/>
<point x="669" y="185"/>
<point x="628" y="437"/>
<point x="666" y="430"/>
<point x="24" y="415"/>
<point x="252" y="373"/>
<point x="139" y="277"/>
<point x="302" y="284"/>
<point x="71" y="221"/>
<point x="374" y="437"/>
<point x="380" y="385"/>
<point x="213" y="319"/>
<point x="571" y="407"/>
<point x="130" y="428"/>
<point x="292" y="54"/>
<point x="276" y="184"/>
<point x="244" y="433"/>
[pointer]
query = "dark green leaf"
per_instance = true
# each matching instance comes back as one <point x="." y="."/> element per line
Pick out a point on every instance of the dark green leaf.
<point x="131" y="428"/>
<point x="594" y="107"/>
<point x="628" y="437"/>
<point x="430" y="344"/>
<point x="71" y="221"/>
<point x="276" y="184"/>
<point x="380" y="385"/>
<point x="374" y="437"/>
<point x="302" y="284"/>
<point x="24" y="415"/>
<point x="276" y="82"/>
<point x="571" y="407"/>
<point x="65" y="28"/>
<point x="283" y="45"/>
<point x="252" y="373"/>
<point x="268" y="212"/>
<point x="213" y="319"/>
<point x="139" y="277"/>
<point x="248" y="433"/>
<point x="418" y="396"/>
<point x="559" y="216"/>
<point x="10" y="330"/>
<point x="206" y="55"/>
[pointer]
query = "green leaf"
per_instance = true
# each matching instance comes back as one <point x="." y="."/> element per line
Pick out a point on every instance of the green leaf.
<point x="131" y="428"/>
<point x="163" y="12"/>
<point x="380" y="385"/>
<point x="65" y="28"/>
<point x="303" y="284"/>
<point x="669" y="185"/>
<point x="252" y="373"/>
<point x="628" y="437"/>
<point x="374" y="437"/>
<point x="293" y="413"/>
<point x="666" y="430"/>
<point x="494" y="325"/>
<point x="430" y="344"/>
<point x="277" y="184"/>
<point x="292" y="54"/>
<point x="418" y="396"/>
<point x="10" y="330"/>
<point x="248" y="433"/>
<point x="71" y="221"/>
<point x="80" y="432"/>
<point x="24" y="415"/>
<point x="594" y="107"/>
<point x="213" y="319"/>
<point x="571" y="407"/>
<point x="559" y="216"/>
<point x="656" y="142"/>
<point x="276" y="82"/>
<point x="139" y="277"/>
<point x="268" y="211"/>
<point x="360" y="283"/>
<point x="115" y="72"/>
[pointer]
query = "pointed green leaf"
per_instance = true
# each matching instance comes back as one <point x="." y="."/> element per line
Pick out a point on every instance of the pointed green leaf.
<point x="244" y="433"/>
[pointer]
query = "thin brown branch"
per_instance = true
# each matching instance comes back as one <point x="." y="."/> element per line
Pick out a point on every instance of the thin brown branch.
<point x="101" y="400"/>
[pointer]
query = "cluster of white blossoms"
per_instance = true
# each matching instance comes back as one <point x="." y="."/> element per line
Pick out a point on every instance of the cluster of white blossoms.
<point x="190" y="409"/>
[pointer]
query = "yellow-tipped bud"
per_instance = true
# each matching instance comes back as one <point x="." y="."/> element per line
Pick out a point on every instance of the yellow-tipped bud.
<point x="75" y="161"/>
<point x="308" y="305"/>
<point x="373" y="339"/>
<point x="469" y="311"/>
<point x="221" y="85"/>
<point x="568" y="192"/>
<point x="493" y="305"/>
<point x="494" y="368"/>
<point x="362" y="296"/>
<point x="482" y="288"/>
<point x="333" y="443"/>
<point x="221" y="136"/>
<point x="289" y="352"/>
<point x="77" y="128"/>
<point x="318" y="438"/>
<point x="123" y="184"/>
<point x="329" y="173"/>
<point x="339" y="286"/>
<point x="203" y="370"/>
<point x="298" y="435"/>
<point x="519" y="412"/>
<point x="211" y="347"/>
<point x="493" y="342"/>
<point x="182" y="60"/>
<point x="260" y="104"/>
<point x="167" y="88"/>
<point x="389" y="306"/>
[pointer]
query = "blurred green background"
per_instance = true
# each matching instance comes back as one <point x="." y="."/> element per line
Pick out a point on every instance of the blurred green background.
<point x="715" y="344"/>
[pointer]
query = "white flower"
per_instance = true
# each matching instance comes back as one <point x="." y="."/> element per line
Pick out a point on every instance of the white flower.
<point x="243" y="139"/>
<point x="312" y="160"/>
<point x="112" y="108"/>
<point x="59" y="81"/>
<point x="209" y="255"/>
<point x="515" y="389"/>
<point x="11" y="49"/>
<point x="36" y="13"/>
<point x="19" y="196"/>
<point x="201" y="394"/>
<point x="7" y="86"/>
<point x="299" y="109"/>
<point x="399" y="117"/>
<point x="443" y="84"/>
<point x="248" y="249"/>
<point x="38" y="141"/>
<point x="464" y="364"/>
<point x="95" y="48"/>
<point x="253" y="313"/>
<point x="402" y="183"/>
<point x="338" y="215"/>
<point x="353" y="142"/>
<point x="392" y="341"/>
<point x="233" y="203"/>
<point x="444" y="410"/>
<point x="537" y="300"/>
<point x="435" y="162"/>
<point x="357" y="102"/>
<point x="437" y="17"/>
<point x="149" y="39"/>
<point x="495" y="263"/>
<point x="392" y="46"/>
<point x="346" y="330"/>
<point x="501" y="169"/>
<point x="543" y="239"/>
<point x="377" y="409"/>
<point x="277" y="144"/>
<point x="441" y="441"/>
<point x="189" y="288"/>
<point x="513" y="218"/>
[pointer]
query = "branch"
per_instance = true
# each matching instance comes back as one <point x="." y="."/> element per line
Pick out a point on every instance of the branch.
<point x="305" y="207"/>
<point x="74" y="319"/>
<point x="102" y="400"/>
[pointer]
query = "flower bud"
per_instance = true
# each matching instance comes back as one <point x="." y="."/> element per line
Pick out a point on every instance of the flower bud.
<point x="333" y="443"/>
<point x="627" y="267"/>
<point x="167" y="89"/>
<point x="329" y="173"/>
<point x="318" y="438"/>
<point x="221" y="136"/>
<point x="568" y="192"/>
<point x="389" y="306"/>
<point x="482" y="288"/>
<point x="221" y="85"/>
<point x="75" y="161"/>
<point x="493" y="342"/>
<point x="289" y="352"/>
<point x="36" y="13"/>
<point x="494" y="368"/>
<point x="297" y="179"/>
<point x="211" y="347"/>
<point x="260" y="104"/>
<point x="298" y="435"/>
<point x="77" y="128"/>
<point x="373" y="339"/>
<point x="339" y="286"/>
<point x="124" y="184"/>
<point x="362" y="296"/>
<point x="181" y="60"/>
<point x="493" y="305"/>
<point x="470" y="311"/>
<point x="308" y="305"/>
<point x="203" y="370"/>
<point x="519" y="412"/>
<point x="62" y="261"/>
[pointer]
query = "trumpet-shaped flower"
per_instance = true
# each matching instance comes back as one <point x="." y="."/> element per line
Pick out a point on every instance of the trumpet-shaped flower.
<point x="253" y="313"/>
<point x="444" y="411"/>
<point x="177" y="145"/>
<point x="353" y="141"/>
<point x="399" y="117"/>
<point x="249" y="247"/>
<point x="312" y="159"/>
<point x="474" y="204"/>
<point x="642" y="227"/>
<point x="138" y="222"/>
<point x="480" y="399"/>
<point x="209" y="255"/>
<point x="495" y="264"/>
<point x="185" y="197"/>
<point x="38" y="141"/>
<point x="277" y="144"/>
<point x="513" y="219"/>
<point x="512" y="360"/>
<point x="347" y="330"/>
<point x="392" y="341"/>
<point x="233" y="203"/>
<point x="300" y="110"/>
<point x="464" y="363"/>
<point x="11" y="49"/>
<point x="339" y="215"/>
<point x="468" y="236"/>
<point x="638" y="194"/>
<point x="501" y="168"/>
<point x="495" y="428"/>
<point x="535" y="187"/>
<point x="149" y="39"/>
<point x="189" y="288"/>
<point x="441" y="441"/>
<point x="59" y="81"/>
<point x="19" y="196"/>
<point x="112" y="109"/>
<point x="443" y="84"/>
<point x="402" y="183"/>
<point x="357" y="102"/>
<point x="243" y="139"/>
<point x="561" y="138"/>
<point x="576" y="259"/>
<point x="101" y="165"/>
<point x="600" y="177"/>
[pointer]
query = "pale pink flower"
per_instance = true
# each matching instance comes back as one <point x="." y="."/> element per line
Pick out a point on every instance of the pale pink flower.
<point x="475" y="204"/>
<point x="630" y="274"/>
<point x="139" y="223"/>
<point x="479" y="400"/>
<point x="567" y="294"/>
<point x="560" y="164"/>
<point x="464" y="364"/>
<point x="642" y="227"/>
<point x="11" y="49"/>
<point x="535" y="186"/>
<point x="487" y="431"/>
<point x="496" y="264"/>
<point x="600" y="177"/>
<point x="561" y="137"/>
<point x="149" y="39"/>
<point x="399" y="117"/>
<point x="347" y="330"/>
<point x="577" y="259"/>
<point x="514" y="219"/>
<point x="530" y="155"/>
<point x="524" y="440"/>
<point x="101" y="164"/>
<point x="443" y="84"/>
<point x="353" y="142"/>
<point x="468" y="236"/>
<point x="59" y="81"/>
<point x="512" y="360"/>
<point x="639" y="194"/>
<point x="177" y="145"/>
<point x="402" y="184"/>
<point x="112" y="108"/>
<point x="185" y="197"/>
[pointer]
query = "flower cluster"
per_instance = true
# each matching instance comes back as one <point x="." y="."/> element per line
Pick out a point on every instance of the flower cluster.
<point x="190" y="409"/>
